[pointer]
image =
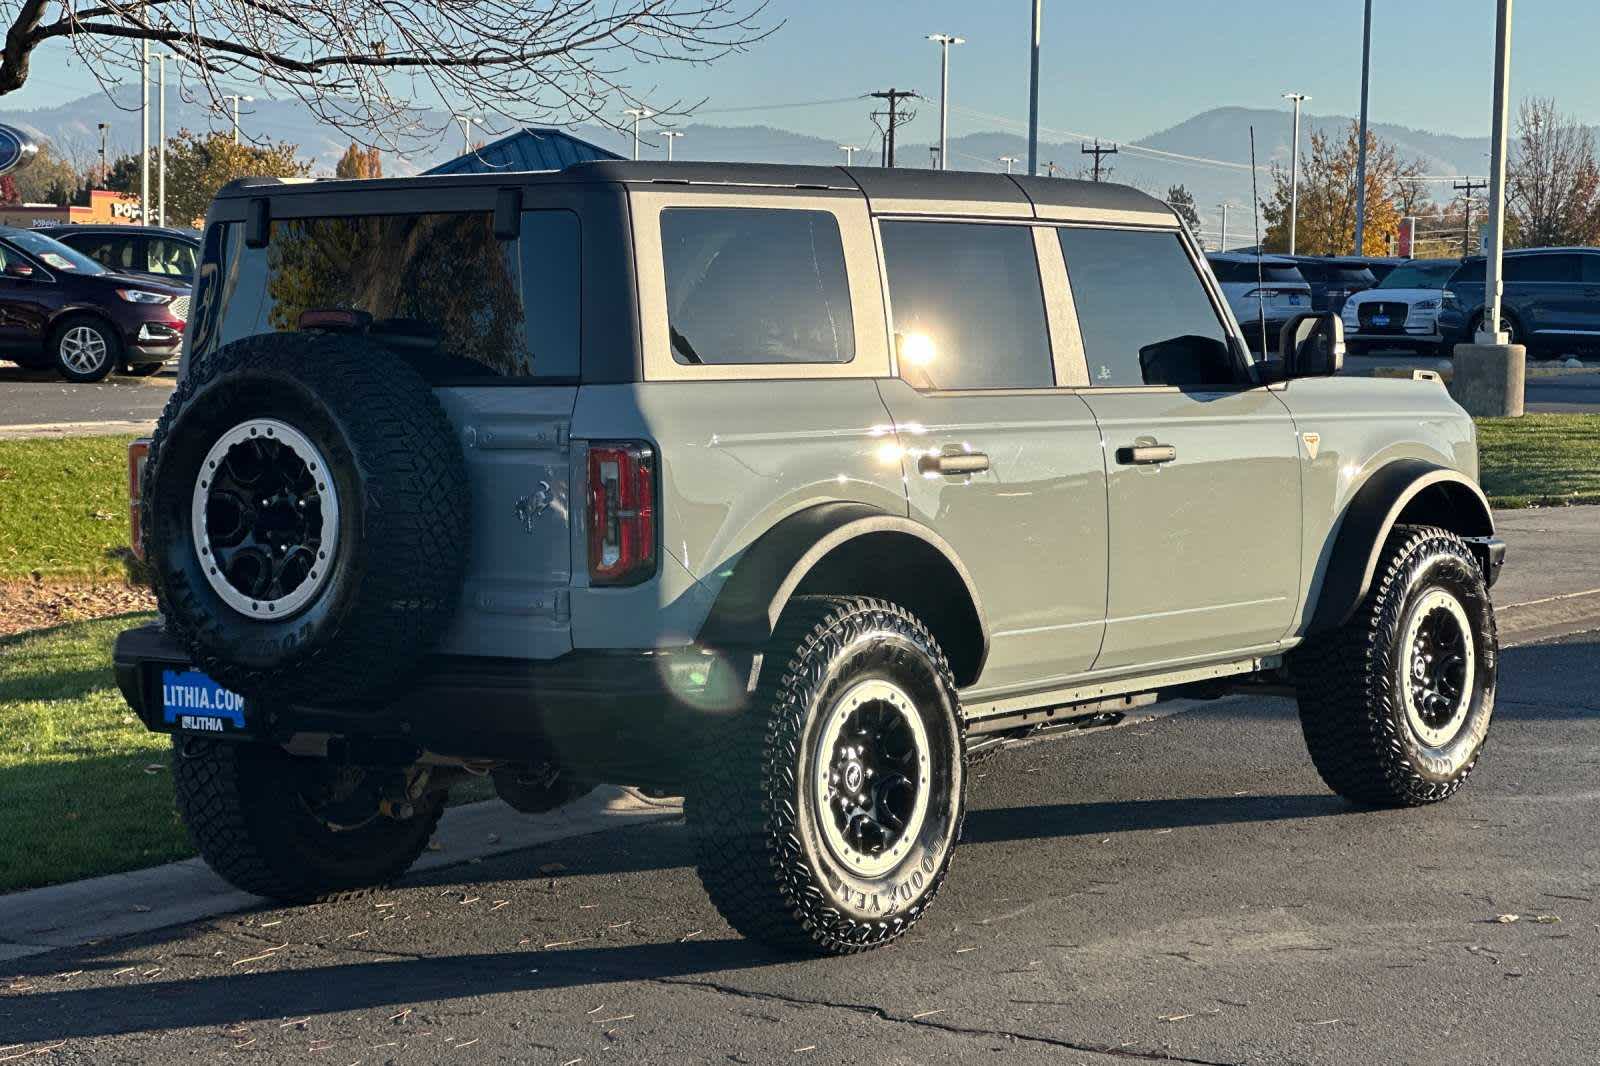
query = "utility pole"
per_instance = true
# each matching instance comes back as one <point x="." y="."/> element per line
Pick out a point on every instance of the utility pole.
<point x="1490" y="331"/>
<point x="1097" y="152"/>
<point x="637" y="113"/>
<point x="934" y="157"/>
<point x="944" y="40"/>
<point x="671" y="135"/>
<point x="849" y="151"/>
<point x="161" y="139"/>
<point x="105" y="128"/>
<point x="1294" y="169"/>
<point x="235" y="97"/>
<point x="1050" y="169"/>
<point x="893" y="96"/>
<point x="1008" y="160"/>
<point x="1466" y="189"/>
<point x="144" y="133"/>
<point x="1361" y="148"/>
<point x="1033" y="95"/>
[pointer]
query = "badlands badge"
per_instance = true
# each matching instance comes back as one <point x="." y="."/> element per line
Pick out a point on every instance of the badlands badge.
<point x="1313" y="442"/>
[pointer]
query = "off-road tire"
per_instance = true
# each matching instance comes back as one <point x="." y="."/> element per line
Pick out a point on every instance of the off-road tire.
<point x="395" y="578"/>
<point x="760" y="853"/>
<point x="1349" y="681"/>
<point x="108" y="336"/>
<point x="242" y="807"/>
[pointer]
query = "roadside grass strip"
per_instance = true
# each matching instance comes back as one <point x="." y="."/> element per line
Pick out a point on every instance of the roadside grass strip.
<point x="1540" y="460"/>
<point x="64" y="508"/>
<point x="86" y="790"/>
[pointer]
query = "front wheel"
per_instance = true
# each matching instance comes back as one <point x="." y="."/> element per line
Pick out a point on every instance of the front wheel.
<point x="824" y="816"/>
<point x="293" y="829"/>
<point x="1395" y="704"/>
<point x="85" y="349"/>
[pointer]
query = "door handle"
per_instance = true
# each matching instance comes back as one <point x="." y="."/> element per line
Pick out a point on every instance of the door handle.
<point x="1146" y="454"/>
<point x="953" y="463"/>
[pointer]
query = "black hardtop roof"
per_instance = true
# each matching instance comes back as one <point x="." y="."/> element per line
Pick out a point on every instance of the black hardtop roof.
<point x="876" y="182"/>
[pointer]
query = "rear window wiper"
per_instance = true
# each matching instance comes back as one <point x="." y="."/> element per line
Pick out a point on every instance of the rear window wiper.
<point x="681" y="345"/>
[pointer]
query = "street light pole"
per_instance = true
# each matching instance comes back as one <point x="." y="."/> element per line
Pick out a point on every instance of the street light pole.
<point x="144" y="133"/>
<point x="1007" y="160"/>
<point x="944" y="40"/>
<point x="1033" y="95"/>
<point x="105" y="127"/>
<point x="1361" y="148"/>
<point x="467" y="122"/>
<point x="161" y="140"/>
<point x="235" y="97"/>
<point x="849" y="151"/>
<point x="1490" y="332"/>
<point x="1294" y="169"/>
<point x="637" y="113"/>
<point x="671" y="135"/>
<point x="1222" y="243"/>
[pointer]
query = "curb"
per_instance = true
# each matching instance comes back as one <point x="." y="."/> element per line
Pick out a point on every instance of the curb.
<point x="115" y="428"/>
<point x="81" y="912"/>
<point x="1553" y="616"/>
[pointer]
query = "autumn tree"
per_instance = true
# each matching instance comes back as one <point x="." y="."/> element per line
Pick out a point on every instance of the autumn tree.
<point x="198" y="164"/>
<point x="1553" y="181"/>
<point x="1327" y="222"/>
<point x="49" y="179"/>
<point x="1181" y="200"/>
<point x="359" y="162"/>
<point x="349" y="61"/>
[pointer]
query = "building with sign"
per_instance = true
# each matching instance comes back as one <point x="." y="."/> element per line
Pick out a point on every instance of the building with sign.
<point x="104" y="207"/>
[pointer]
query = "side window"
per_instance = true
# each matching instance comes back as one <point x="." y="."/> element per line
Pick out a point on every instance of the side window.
<point x="1591" y="269"/>
<point x="1470" y="273"/>
<point x="167" y="256"/>
<point x="756" y="285"/>
<point x="1544" y="267"/>
<point x="1143" y="311"/>
<point x="968" y="305"/>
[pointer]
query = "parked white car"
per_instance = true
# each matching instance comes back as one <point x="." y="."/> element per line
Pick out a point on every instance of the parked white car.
<point x="1402" y="310"/>
<point x="1273" y="290"/>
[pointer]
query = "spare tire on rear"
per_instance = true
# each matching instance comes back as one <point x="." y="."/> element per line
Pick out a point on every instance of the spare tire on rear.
<point x="306" y="513"/>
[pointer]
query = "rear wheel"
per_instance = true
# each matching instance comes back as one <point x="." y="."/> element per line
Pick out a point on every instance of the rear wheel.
<point x="1395" y="704"/>
<point x="824" y="816"/>
<point x="293" y="829"/>
<point x="85" y="349"/>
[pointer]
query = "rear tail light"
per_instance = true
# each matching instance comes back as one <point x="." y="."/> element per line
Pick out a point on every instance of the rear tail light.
<point x="138" y="453"/>
<point x="622" y="512"/>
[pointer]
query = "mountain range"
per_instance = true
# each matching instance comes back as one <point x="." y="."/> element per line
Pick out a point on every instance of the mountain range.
<point x="1217" y="142"/>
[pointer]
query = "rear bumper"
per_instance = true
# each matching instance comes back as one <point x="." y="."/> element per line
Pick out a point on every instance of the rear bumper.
<point x="631" y="717"/>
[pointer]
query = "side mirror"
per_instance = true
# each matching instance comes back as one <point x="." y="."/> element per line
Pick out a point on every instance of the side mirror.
<point x="1312" y="345"/>
<point x="19" y="270"/>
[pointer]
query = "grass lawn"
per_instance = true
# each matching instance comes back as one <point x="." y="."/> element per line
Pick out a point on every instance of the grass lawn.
<point x="80" y="795"/>
<point x="1540" y="460"/>
<point x="63" y="508"/>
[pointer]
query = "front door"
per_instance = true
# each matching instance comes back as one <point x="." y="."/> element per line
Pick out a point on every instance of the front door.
<point x="998" y="460"/>
<point x="1203" y="469"/>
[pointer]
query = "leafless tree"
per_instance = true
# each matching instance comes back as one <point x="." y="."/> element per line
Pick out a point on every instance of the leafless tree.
<point x="361" y="65"/>
<point x="1553" y="188"/>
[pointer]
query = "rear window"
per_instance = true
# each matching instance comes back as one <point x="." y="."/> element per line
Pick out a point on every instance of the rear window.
<point x="1561" y="266"/>
<point x="1242" y="271"/>
<point x="756" y="285"/>
<point x="455" y="301"/>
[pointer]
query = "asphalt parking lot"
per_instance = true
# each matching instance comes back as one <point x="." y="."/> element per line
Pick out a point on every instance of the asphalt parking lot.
<point x="1178" y="889"/>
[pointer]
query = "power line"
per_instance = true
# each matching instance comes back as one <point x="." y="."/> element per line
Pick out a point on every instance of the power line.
<point x="1466" y="189"/>
<point x="1097" y="152"/>
<point x="777" y="107"/>
<point x="894" y="116"/>
<point x="1126" y="146"/>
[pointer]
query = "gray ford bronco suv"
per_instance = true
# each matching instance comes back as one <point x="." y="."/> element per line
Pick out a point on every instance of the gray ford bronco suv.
<point x="788" y="489"/>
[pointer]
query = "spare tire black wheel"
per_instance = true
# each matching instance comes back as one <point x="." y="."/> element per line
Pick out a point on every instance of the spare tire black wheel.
<point x="306" y="507"/>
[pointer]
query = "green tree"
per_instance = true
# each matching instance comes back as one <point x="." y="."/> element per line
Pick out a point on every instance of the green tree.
<point x="198" y="164"/>
<point x="49" y="179"/>
<point x="1553" y="183"/>
<point x="1181" y="200"/>
<point x="1327" y="222"/>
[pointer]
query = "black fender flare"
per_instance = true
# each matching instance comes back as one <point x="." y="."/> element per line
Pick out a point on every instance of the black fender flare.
<point x="1373" y="513"/>
<point x="767" y="574"/>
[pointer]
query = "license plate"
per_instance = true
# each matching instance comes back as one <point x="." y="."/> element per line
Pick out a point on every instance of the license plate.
<point x="1380" y="320"/>
<point x="191" y="702"/>
<point x="1294" y="301"/>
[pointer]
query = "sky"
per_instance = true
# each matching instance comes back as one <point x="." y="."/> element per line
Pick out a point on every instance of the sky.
<point x="1121" y="70"/>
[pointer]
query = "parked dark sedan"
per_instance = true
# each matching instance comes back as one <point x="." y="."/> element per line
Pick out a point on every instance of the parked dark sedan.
<point x="61" y="309"/>
<point x="1334" y="280"/>
<point x="168" y="255"/>
<point x="1551" y="300"/>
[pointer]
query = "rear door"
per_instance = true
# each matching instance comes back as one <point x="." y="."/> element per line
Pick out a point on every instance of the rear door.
<point x="1001" y="457"/>
<point x="1203" y="468"/>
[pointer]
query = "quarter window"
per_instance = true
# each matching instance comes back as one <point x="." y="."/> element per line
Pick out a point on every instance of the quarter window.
<point x="755" y="285"/>
<point x="1144" y="313"/>
<point x="1546" y="267"/>
<point x="968" y="305"/>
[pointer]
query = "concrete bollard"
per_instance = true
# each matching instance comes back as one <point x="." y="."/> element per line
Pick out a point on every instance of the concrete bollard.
<point x="1489" y="379"/>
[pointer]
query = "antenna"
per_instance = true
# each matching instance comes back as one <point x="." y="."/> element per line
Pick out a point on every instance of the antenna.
<point x="1255" y="213"/>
